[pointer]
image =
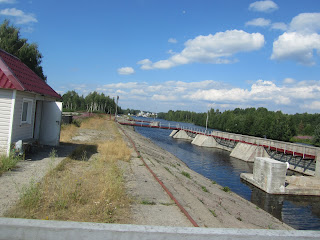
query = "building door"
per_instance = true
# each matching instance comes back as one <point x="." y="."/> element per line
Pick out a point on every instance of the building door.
<point x="50" y="123"/>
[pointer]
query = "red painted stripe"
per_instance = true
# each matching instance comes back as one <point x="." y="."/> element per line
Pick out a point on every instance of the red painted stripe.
<point x="271" y="148"/>
<point x="161" y="183"/>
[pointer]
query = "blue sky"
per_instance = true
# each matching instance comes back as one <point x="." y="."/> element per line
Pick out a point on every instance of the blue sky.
<point x="183" y="54"/>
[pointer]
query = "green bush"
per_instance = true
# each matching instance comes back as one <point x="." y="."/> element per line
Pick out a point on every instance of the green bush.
<point x="8" y="162"/>
<point x="186" y="174"/>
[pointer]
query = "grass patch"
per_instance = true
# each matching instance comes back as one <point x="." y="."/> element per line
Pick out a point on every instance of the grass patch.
<point x="204" y="189"/>
<point x="168" y="204"/>
<point x="226" y="189"/>
<point x="213" y="182"/>
<point x="8" y="163"/>
<point x="68" y="131"/>
<point x="186" y="174"/>
<point x="213" y="212"/>
<point x="81" y="190"/>
<point x="147" y="202"/>
<point x="166" y="168"/>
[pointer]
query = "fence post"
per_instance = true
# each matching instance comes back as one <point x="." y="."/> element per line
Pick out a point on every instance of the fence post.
<point x="317" y="160"/>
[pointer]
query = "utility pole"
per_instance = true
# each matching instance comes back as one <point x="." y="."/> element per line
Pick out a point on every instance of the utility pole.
<point x="116" y="113"/>
<point x="207" y="121"/>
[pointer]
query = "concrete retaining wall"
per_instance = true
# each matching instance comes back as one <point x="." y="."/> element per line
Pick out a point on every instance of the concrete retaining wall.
<point x="22" y="229"/>
<point x="247" y="152"/>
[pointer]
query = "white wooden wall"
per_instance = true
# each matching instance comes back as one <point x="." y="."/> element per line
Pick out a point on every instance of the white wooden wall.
<point x="5" y="113"/>
<point x="25" y="130"/>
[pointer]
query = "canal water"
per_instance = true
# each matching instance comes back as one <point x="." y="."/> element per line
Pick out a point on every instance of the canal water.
<point x="299" y="212"/>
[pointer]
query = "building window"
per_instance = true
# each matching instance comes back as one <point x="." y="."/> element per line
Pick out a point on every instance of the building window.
<point x="26" y="111"/>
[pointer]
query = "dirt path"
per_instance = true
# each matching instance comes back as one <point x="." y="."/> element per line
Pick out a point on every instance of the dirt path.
<point x="205" y="201"/>
<point x="11" y="183"/>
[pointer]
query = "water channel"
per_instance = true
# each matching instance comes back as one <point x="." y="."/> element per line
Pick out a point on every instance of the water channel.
<point x="300" y="212"/>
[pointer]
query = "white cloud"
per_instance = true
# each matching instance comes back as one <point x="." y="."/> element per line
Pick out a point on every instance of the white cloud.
<point x="125" y="71"/>
<point x="218" y="49"/>
<point x="263" y="6"/>
<point x="306" y="23"/>
<point x="291" y="96"/>
<point x="20" y="16"/>
<point x="172" y="40"/>
<point x="264" y="93"/>
<point x="128" y="85"/>
<point x="8" y="1"/>
<point x="279" y="26"/>
<point x="289" y="81"/>
<point x="138" y="92"/>
<point x="300" y="41"/>
<point x="164" y="98"/>
<point x="145" y="64"/>
<point x="259" y="22"/>
<point x="315" y="105"/>
<point x="297" y="47"/>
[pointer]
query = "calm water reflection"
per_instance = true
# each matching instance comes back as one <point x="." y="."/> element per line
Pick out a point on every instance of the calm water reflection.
<point x="217" y="165"/>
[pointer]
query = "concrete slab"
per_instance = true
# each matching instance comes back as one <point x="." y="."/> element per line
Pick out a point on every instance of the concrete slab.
<point x="40" y="229"/>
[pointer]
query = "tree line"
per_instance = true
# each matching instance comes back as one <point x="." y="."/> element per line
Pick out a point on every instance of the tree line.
<point x="28" y="53"/>
<point x="93" y="102"/>
<point x="255" y="122"/>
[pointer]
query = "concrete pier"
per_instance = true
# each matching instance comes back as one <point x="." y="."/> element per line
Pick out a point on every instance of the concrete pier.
<point x="204" y="141"/>
<point x="247" y="152"/>
<point x="181" y="134"/>
<point x="270" y="176"/>
<point x="173" y="133"/>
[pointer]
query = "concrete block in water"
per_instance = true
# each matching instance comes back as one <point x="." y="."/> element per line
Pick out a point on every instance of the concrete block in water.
<point x="204" y="141"/>
<point x="173" y="133"/>
<point x="268" y="175"/>
<point x="182" y="135"/>
<point x="155" y="124"/>
<point x="248" y="152"/>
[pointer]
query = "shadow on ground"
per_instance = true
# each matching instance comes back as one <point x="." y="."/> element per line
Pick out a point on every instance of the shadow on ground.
<point x="73" y="150"/>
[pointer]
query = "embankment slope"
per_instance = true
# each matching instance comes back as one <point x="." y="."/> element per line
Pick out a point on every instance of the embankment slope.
<point x="204" y="200"/>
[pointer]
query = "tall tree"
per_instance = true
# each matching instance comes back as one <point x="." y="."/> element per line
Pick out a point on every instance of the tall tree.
<point x="11" y="42"/>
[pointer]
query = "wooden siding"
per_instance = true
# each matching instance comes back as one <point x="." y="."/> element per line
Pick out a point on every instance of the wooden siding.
<point x="22" y="131"/>
<point x="5" y="110"/>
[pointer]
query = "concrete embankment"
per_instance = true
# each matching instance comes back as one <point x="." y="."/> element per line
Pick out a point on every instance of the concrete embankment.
<point x="206" y="202"/>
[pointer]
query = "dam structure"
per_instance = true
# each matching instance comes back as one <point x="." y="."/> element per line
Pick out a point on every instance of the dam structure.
<point x="301" y="158"/>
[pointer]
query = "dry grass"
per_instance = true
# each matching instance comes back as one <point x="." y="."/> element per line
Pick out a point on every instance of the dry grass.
<point x="67" y="132"/>
<point x="90" y="190"/>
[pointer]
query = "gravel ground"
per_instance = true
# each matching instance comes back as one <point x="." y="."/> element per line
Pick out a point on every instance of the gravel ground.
<point x="34" y="168"/>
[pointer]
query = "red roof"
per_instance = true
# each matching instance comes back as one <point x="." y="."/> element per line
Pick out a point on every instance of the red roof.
<point x="14" y="74"/>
